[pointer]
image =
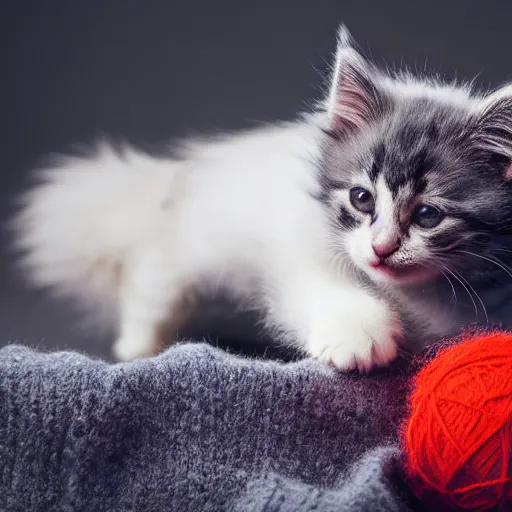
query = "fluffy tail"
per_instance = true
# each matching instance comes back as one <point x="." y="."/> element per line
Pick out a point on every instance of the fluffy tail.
<point x="78" y="226"/>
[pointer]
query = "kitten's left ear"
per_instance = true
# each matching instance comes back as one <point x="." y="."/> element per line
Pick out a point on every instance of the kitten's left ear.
<point x="355" y="99"/>
<point x="494" y="126"/>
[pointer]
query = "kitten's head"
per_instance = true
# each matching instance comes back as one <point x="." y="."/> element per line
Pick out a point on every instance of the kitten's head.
<point x="417" y="175"/>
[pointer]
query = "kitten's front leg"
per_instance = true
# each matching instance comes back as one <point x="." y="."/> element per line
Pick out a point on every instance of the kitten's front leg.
<point x="353" y="330"/>
<point x="347" y="326"/>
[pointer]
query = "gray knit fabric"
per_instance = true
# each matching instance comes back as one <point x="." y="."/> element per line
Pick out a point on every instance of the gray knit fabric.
<point x="195" y="429"/>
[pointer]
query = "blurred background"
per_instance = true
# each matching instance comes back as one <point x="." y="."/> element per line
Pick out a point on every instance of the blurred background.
<point x="146" y="71"/>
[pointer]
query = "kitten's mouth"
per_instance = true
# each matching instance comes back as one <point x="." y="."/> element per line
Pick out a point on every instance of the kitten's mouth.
<point x="386" y="270"/>
<point x="412" y="273"/>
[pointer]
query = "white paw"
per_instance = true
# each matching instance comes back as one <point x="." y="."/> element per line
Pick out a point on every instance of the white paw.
<point x="128" y="348"/>
<point x="361" y="338"/>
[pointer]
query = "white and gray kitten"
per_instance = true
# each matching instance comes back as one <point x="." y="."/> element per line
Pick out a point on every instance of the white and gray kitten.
<point x="337" y="226"/>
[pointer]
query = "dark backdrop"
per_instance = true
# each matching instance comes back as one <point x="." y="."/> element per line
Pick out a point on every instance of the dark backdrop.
<point x="149" y="70"/>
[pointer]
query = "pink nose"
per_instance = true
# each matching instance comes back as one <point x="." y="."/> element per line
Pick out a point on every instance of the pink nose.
<point x="385" y="249"/>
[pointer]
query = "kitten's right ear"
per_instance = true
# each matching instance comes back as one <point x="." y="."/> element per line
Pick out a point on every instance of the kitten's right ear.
<point x="355" y="100"/>
<point x="494" y="125"/>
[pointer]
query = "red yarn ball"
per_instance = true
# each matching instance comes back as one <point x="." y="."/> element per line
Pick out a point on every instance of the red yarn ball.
<point x="458" y="438"/>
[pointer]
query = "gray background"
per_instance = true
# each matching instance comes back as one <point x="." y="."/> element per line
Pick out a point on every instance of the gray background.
<point x="145" y="71"/>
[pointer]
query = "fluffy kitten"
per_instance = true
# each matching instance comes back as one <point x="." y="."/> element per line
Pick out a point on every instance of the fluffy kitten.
<point x="338" y="225"/>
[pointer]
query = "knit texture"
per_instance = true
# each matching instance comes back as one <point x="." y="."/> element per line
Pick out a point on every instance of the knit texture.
<point x="196" y="429"/>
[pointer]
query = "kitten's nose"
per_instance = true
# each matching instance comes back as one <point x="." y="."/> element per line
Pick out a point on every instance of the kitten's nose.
<point x="384" y="249"/>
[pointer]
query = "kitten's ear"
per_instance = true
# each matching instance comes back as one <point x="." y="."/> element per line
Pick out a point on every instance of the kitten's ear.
<point x="495" y="125"/>
<point x="354" y="100"/>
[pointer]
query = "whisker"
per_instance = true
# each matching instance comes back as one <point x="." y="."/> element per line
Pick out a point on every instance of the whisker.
<point x="477" y="296"/>
<point x="503" y="228"/>
<point x="465" y="288"/>
<point x="454" y="294"/>
<point x="497" y="263"/>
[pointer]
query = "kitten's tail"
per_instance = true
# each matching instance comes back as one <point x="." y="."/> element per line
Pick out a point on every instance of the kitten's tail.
<point x="80" y="225"/>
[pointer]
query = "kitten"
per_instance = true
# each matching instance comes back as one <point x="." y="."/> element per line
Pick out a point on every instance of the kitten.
<point x="339" y="226"/>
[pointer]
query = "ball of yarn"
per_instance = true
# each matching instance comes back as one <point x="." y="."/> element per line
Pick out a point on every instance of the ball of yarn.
<point x="458" y="437"/>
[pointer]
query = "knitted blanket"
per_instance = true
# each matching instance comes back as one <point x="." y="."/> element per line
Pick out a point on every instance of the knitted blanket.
<point x="196" y="429"/>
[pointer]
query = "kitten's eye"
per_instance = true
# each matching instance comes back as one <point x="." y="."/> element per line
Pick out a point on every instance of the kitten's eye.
<point x="362" y="200"/>
<point x="427" y="216"/>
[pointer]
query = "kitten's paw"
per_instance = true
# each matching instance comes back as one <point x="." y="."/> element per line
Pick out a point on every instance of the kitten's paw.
<point x="128" y="348"/>
<point x="362" y="339"/>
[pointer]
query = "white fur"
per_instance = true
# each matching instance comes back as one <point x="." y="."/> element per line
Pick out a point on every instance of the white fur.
<point x="236" y="213"/>
<point x="133" y="235"/>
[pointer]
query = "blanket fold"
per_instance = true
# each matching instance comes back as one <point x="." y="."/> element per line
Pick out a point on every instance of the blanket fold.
<point x="195" y="429"/>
